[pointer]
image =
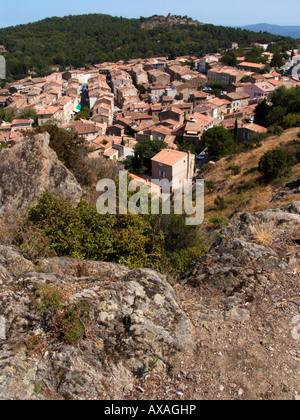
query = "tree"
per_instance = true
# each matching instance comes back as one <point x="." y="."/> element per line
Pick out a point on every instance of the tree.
<point x="145" y="150"/>
<point x="277" y="60"/>
<point x="261" y="112"/>
<point x="273" y="164"/>
<point x="84" y="114"/>
<point x="29" y="113"/>
<point x="236" y="131"/>
<point x="219" y="141"/>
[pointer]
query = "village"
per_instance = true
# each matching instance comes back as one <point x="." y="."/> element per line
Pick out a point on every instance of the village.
<point x="158" y="99"/>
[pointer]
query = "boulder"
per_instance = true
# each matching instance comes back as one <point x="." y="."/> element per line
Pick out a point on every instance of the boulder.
<point x="27" y="170"/>
<point x="134" y="326"/>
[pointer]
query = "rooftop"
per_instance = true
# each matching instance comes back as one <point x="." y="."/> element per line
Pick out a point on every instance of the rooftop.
<point x="169" y="157"/>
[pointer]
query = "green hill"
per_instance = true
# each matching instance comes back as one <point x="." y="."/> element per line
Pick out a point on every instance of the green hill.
<point x="89" y="39"/>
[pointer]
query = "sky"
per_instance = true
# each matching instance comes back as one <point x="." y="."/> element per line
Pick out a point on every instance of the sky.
<point x="218" y="12"/>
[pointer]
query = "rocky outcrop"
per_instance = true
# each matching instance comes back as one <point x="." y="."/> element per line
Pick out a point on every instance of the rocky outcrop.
<point x="290" y="189"/>
<point x="170" y="20"/>
<point x="27" y="170"/>
<point x="134" y="326"/>
<point x="229" y="330"/>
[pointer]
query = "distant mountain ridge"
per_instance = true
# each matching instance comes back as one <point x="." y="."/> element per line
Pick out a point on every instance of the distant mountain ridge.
<point x="291" y="31"/>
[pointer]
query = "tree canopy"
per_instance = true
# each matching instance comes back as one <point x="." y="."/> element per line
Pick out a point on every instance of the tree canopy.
<point x="76" y="41"/>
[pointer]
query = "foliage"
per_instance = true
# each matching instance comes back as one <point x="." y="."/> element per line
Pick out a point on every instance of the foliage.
<point x="76" y="41"/>
<point x="84" y="114"/>
<point x="32" y="242"/>
<point x="220" y="142"/>
<point x="273" y="164"/>
<point x="277" y="60"/>
<point x="236" y="169"/>
<point x="229" y="58"/>
<point x="220" y="203"/>
<point x="67" y="320"/>
<point x="145" y="150"/>
<point x="3" y="146"/>
<point x="7" y="115"/>
<point x="210" y="185"/>
<point x="161" y="242"/>
<point x="29" y="113"/>
<point x="219" y="222"/>
<point x="283" y="110"/>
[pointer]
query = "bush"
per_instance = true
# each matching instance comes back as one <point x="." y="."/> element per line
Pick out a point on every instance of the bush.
<point x="220" y="142"/>
<point x="162" y="242"/>
<point x="211" y="186"/>
<point x="273" y="164"/>
<point x="236" y="170"/>
<point x="291" y="120"/>
<point x="68" y="321"/>
<point x="220" y="203"/>
<point x="219" y="222"/>
<point x="275" y="130"/>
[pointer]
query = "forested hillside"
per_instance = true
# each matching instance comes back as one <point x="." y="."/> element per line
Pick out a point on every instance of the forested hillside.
<point x="89" y="39"/>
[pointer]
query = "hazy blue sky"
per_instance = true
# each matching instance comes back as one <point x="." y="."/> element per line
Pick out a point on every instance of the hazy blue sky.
<point x="222" y="12"/>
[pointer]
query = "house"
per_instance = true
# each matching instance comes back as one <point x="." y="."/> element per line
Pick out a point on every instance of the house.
<point x="258" y="90"/>
<point x="139" y="76"/>
<point x="152" y="188"/>
<point x="160" y="132"/>
<point x="17" y="103"/>
<point x="174" y="114"/>
<point x="50" y="113"/>
<point x="225" y="74"/>
<point x="246" y="131"/>
<point x="167" y="100"/>
<point x="173" y="165"/>
<point x="221" y="106"/>
<point x="237" y="101"/>
<point x="125" y="93"/>
<point x="195" y="127"/>
<point x="116" y="130"/>
<point x="155" y="111"/>
<point x="251" y="67"/>
<point x="86" y="129"/>
<point x="159" y="77"/>
<point x="202" y="65"/>
<point x="157" y="91"/>
<point x="67" y="105"/>
<point x="112" y="154"/>
<point x="21" y="124"/>
<point x="102" y="113"/>
<point x="198" y="98"/>
<point x="123" y="150"/>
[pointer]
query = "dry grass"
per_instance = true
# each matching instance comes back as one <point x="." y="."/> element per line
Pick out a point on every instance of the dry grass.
<point x="264" y="235"/>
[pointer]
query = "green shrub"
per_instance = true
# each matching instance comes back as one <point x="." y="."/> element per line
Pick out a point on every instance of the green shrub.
<point x="68" y="321"/>
<point x="210" y="185"/>
<point x="236" y="170"/>
<point x="219" y="222"/>
<point x="220" y="203"/>
<point x="162" y="242"/>
<point x="273" y="164"/>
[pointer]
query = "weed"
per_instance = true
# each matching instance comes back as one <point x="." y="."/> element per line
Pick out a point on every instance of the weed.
<point x="68" y="320"/>
<point x="264" y="235"/>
